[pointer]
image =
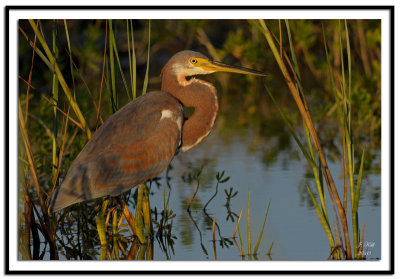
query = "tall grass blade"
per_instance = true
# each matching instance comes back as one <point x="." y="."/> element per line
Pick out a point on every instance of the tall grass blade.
<point x="237" y="223"/>
<point x="346" y="118"/>
<point x="37" y="50"/>
<point x="317" y="175"/>
<point x="270" y="248"/>
<point x="248" y="222"/>
<point x="70" y="57"/>
<point x="116" y="56"/>
<point x="146" y="77"/>
<point x="55" y="98"/>
<point x="262" y="230"/>
<point x="322" y="219"/>
<point x="24" y="134"/>
<point x="296" y="66"/>
<point x="349" y="68"/>
<point x="359" y="179"/>
<point x="61" y="154"/>
<point x="30" y="72"/>
<point x="113" y="77"/>
<point x="241" y="243"/>
<point x="355" y="205"/>
<point x="213" y="229"/>
<point x="132" y="56"/>
<point x="361" y="244"/>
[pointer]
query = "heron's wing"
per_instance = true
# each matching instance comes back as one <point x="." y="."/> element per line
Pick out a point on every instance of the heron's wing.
<point x="129" y="162"/>
<point x="140" y="143"/>
<point x="135" y="144"/>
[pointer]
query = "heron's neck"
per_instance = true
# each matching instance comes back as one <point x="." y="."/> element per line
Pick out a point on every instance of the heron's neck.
<point x="200" y="95"/>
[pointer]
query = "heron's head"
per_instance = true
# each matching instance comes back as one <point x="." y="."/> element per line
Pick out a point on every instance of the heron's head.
<point x="190" y="63"/>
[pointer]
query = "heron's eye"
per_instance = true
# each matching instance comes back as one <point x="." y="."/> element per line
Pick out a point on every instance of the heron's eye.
<point x="193" y="60"/>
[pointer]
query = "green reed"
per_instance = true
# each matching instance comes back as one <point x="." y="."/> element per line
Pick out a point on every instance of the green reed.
<point x="132" y="56"/>
<point x="55" y="99"/>
<point x="146" y="77"/>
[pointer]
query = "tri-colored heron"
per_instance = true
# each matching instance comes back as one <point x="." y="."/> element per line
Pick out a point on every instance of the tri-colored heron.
<point x="139" y="141"/>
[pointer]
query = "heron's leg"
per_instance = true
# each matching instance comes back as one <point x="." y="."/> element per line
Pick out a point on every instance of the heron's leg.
<point x="100" y="223"/>
<point x="139" y="216"/>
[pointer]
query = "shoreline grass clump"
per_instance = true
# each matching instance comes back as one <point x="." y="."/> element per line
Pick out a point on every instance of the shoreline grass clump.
<point x="338" y="232"/>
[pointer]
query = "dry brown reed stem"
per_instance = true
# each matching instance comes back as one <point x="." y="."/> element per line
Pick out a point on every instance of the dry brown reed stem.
<point x="28" y="223"/>
<point x="65" y="114"/>
<point x="214" y="246"/>
<point x="280" y="37"/>
<point x="213" y="229"/>
<point x="128" y="215"/>
<point x="47" y="229"/>
<point x="28" y="149"/>
<point x="29" y="208"/>
<point x="237" y="224"/>
<point x="310" y="125"/>
<point x="215" y="251"/>
<point x="87" y="88"/>
<point x="133" y="250"/>
<point x="344" y="165"/>
<point x="48" y="100"/>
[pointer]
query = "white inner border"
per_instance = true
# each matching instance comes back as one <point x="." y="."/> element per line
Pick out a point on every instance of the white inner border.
<point x="197" y="265"/>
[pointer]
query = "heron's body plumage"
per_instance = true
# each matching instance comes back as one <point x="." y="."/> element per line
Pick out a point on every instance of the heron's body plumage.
<point x="139" y="141"/>
<point x="134" y="145"/>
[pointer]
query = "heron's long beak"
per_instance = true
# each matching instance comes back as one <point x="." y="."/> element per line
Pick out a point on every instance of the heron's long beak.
<point x="215" y="66"/>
